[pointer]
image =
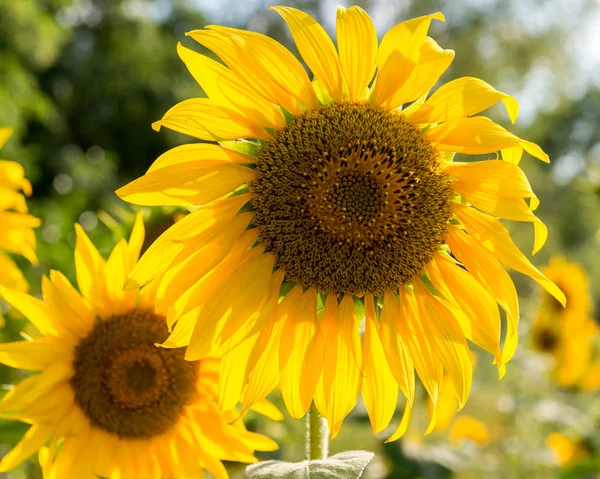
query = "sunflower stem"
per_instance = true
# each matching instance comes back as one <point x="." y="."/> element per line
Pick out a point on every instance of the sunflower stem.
<point x="317" y="434"/>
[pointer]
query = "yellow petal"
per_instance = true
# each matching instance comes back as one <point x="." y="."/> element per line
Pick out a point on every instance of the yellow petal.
<point x="301" y="350"/>
<point x="234" y="369"/>
<point x="90" y="270"/>
<point x="205" y="119"/>
<point x="268" y="409"/>
<point x="35" y="311"/>
<point x="17" y="236"/>
<point x="12" y="277"/>
<point x="484" y="267"/>
<point x="186" y="184"/>
<point x="229" y="90"/>
<point x="398" y="54"/>
<point x="5" y="134"/>
<point x="260" y="274"/>
<point x="463" y="97"/>
<point x="64" y="302"/>
<point x="136" y="238"/>
<point x="499" y="188"/>
<point x="182" y="332"/>
<point x="316" y="48"/>
<point x="199" y="292"/>
<point x="478" y="135"/>
<point x="409" y="326"/>
<point x="341" y="365"/>
<point x="197" y="152"/>
<point x="404" y="423"/>
<point x="35" y="387"/>
<point x="447" y="405"/>
<point x="497" y="177"/>
<point x="447" y="339"/>
<point x="356" y="33"/>
<point x="181" y="277"/>
<point x="244" y="89"/>
<point x="274" y="70"/>
<point x="495" y="237"/>
<point x="11" y="200"/>
<point x="232" y="305"/>
<point x="118" y="267"/>
<point x="379" y="387"/>
<point x="12" y="177"/>
<point x="481" y="319"/>
<point x="33" y="440"/>
<point x="433" y="62"/>
<point x="394" y="345"/>
<point x="36" y="354"/>
<point x="265" y="375"/>
<point x="200" y="227"/>
<point x="513" y="154"/>
<point x="239" y="351"/>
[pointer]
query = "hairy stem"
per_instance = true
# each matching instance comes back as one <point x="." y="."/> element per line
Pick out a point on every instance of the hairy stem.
<point x="317" y="434"/>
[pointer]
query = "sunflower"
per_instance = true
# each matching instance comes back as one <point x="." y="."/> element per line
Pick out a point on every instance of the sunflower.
<point x="469" y="428"/>
<point x="322" y="203"/>
<point x="574" y="282"/>
<point x="106" y="400"/>
<point x="566" y="450"/>
<point x="567" y="334"/>
<point x="16" y="226"/>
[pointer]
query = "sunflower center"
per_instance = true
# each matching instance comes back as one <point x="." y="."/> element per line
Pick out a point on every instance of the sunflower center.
<point x="547" y="340"/>
<point x="351" y="199"/>
<point x="126" y="385"/>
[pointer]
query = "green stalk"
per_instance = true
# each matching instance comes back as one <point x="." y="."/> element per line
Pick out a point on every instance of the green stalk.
<point x="317" y="434"/>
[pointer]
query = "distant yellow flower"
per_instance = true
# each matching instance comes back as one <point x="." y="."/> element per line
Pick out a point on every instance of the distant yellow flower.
<point x="469" y="428"/>
<point x="567" y="451"/>
<point x="330" y="194"/>
<point x="590" y="382"/>
<point x="568" y="334"/>
<point x="107" y="401"/>
<point x="16" y="226"/>
<point x="574" y="282"/>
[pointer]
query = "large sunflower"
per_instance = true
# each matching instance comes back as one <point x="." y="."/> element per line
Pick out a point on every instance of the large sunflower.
<point x="16" y="226"/>
<point x="328" y="201"/>
<point x="107" y="401"/>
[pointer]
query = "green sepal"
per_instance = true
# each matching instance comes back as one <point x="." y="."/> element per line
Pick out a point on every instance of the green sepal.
<point x="288" y="115"/>
<point x="242" y="146"/>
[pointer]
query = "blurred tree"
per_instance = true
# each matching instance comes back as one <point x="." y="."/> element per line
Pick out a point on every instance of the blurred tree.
<point x="82" y="81"/>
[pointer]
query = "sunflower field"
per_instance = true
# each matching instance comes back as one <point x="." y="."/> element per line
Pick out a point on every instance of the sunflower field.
<point x="299" y="240"/>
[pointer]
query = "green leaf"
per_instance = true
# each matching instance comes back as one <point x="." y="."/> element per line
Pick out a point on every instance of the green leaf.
<point x="586" y="468"/>
<point x="345" y="465"/>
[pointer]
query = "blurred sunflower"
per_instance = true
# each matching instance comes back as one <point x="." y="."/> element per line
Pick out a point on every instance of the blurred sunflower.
<point x="333" y="196"/>
<point x="447" y="406"/>
<point x="574" y="282"/>
<point x="566" y="450"/>
<point x="469" y="428"/>
<point x="568" y="334"/>
<point x="16" y="226"/>
<point x="106" y="400"/>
